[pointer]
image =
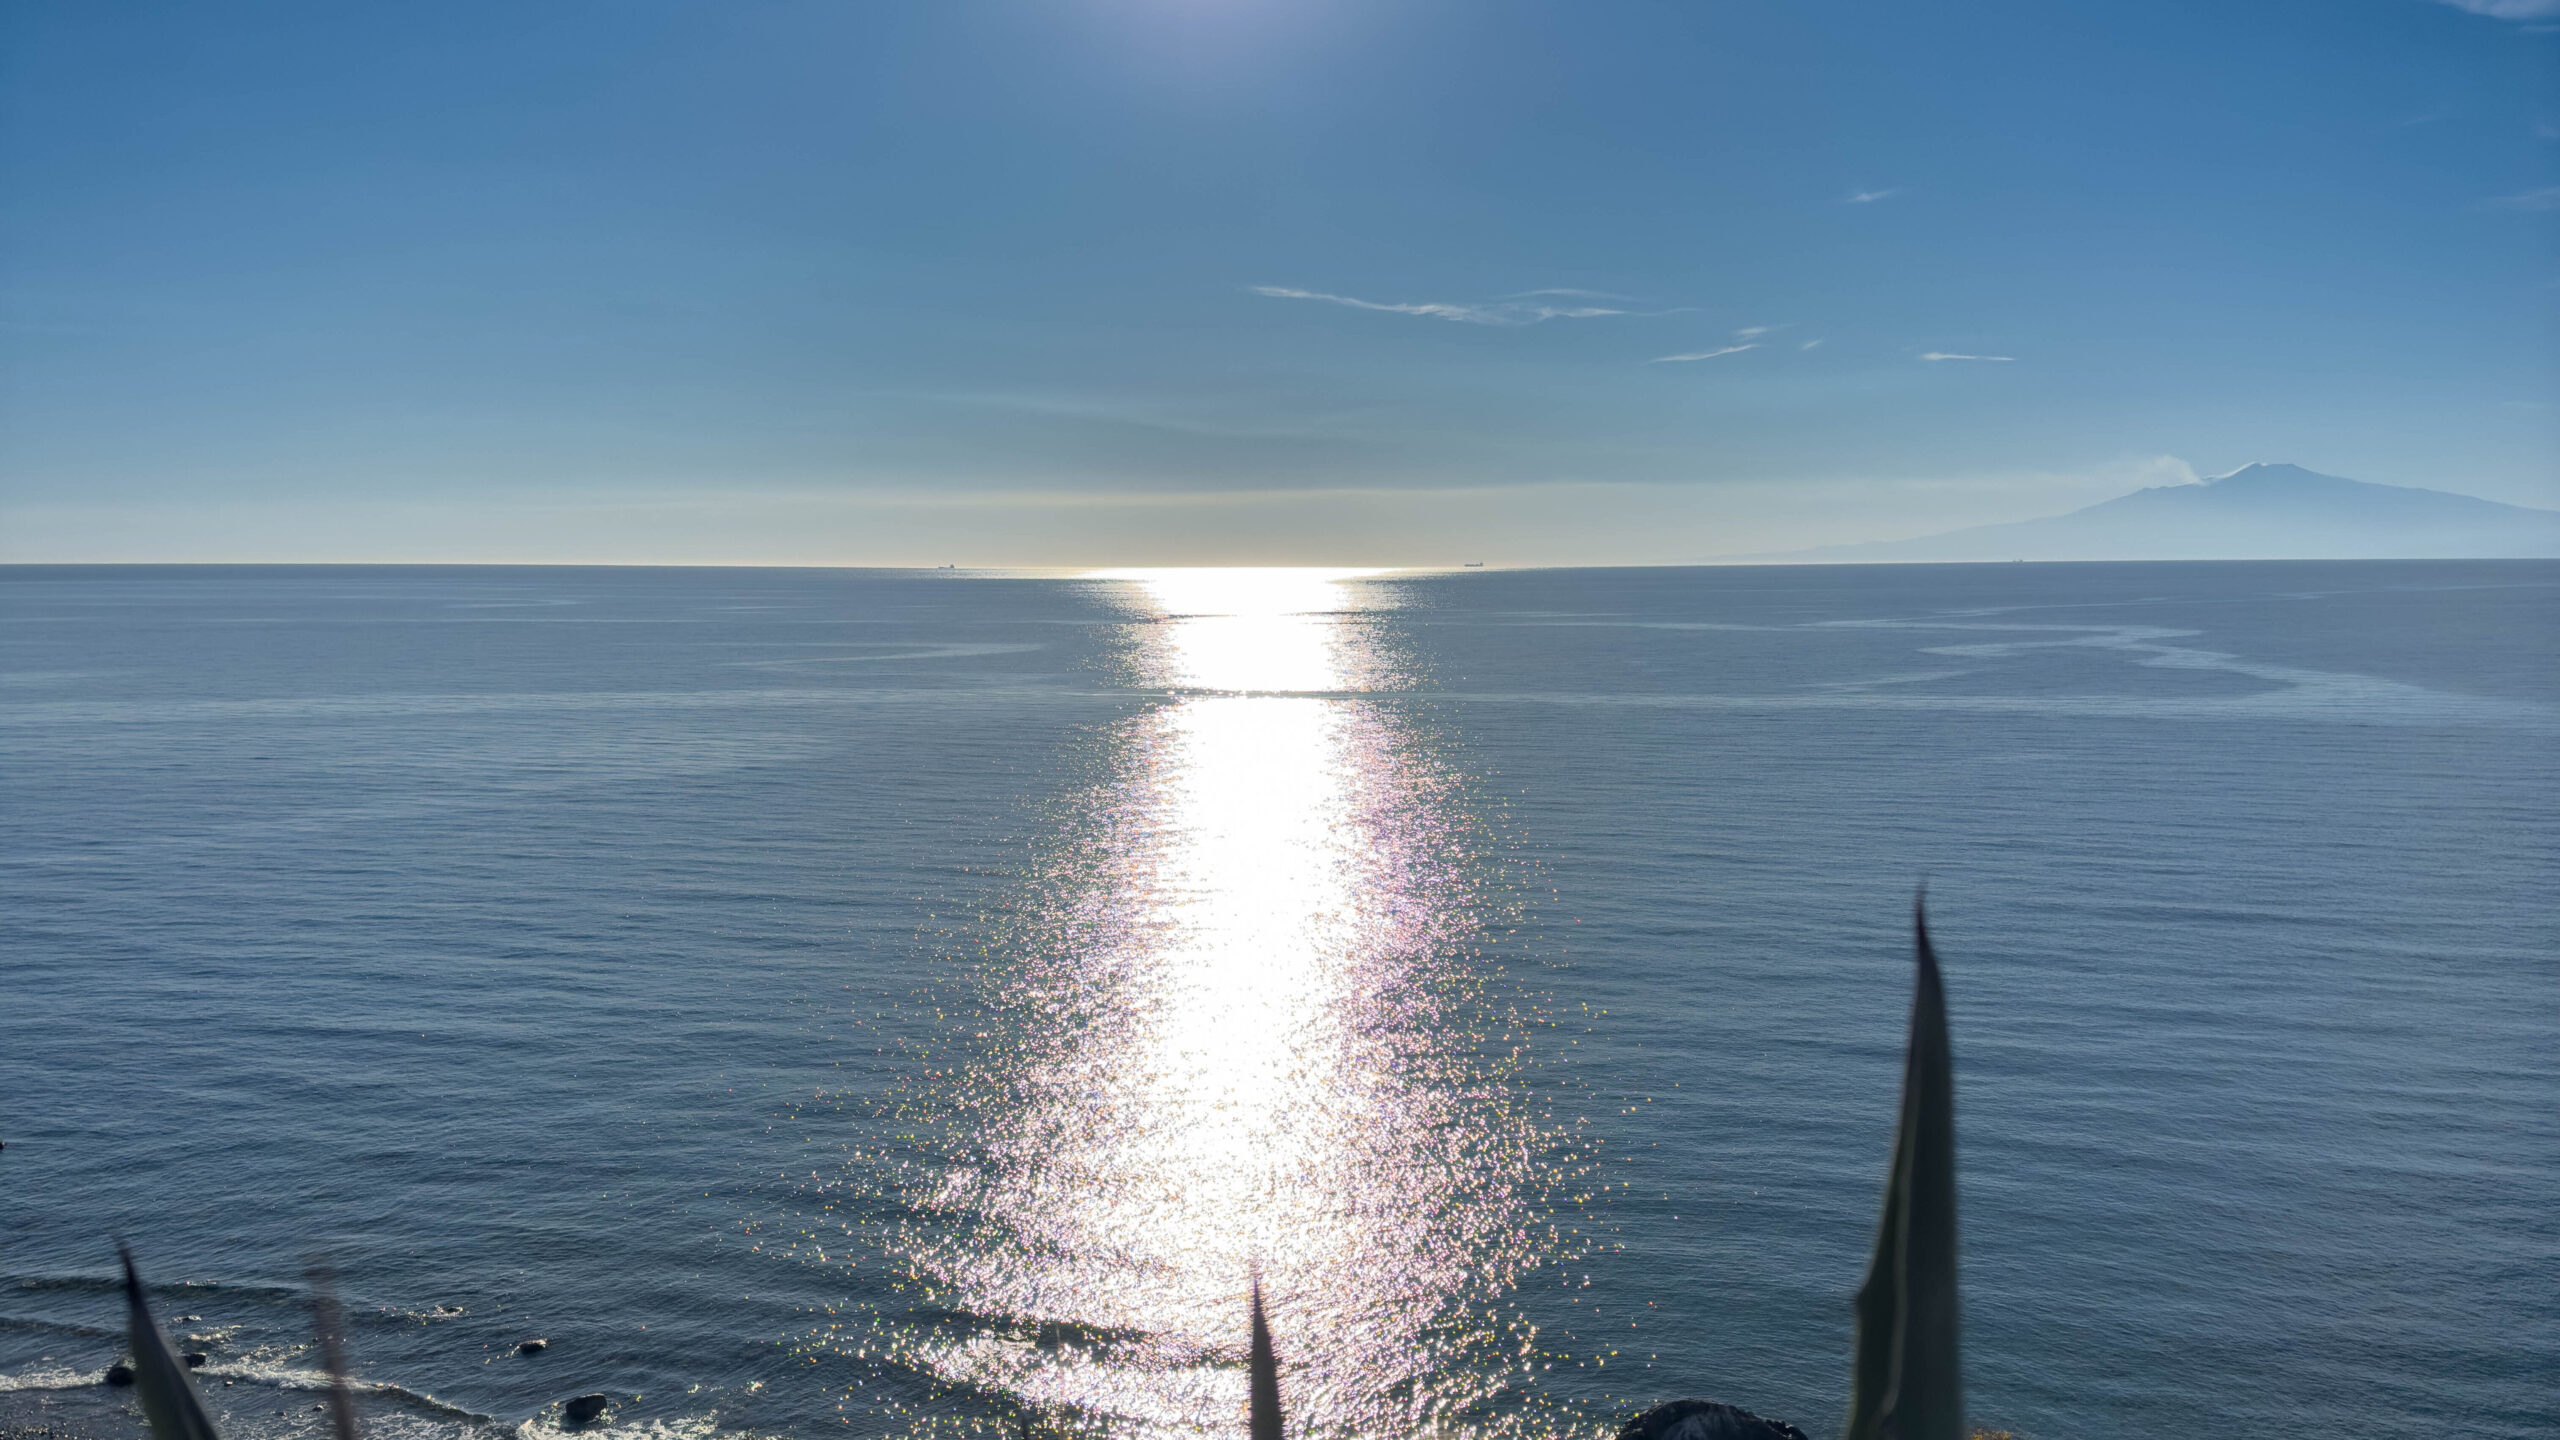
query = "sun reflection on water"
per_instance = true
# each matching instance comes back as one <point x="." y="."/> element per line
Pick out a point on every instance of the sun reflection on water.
<point x="1254" y="1042"/>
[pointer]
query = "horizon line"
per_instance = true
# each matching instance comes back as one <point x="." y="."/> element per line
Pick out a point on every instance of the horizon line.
<point x="1348" y="570"/>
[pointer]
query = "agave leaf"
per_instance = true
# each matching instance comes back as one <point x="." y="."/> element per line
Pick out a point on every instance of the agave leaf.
<point x="330" y="1326"/>
<point x="168" y="1393"/>
<point x="1265" y="1424"/>
<point x="1907" y="1381"/>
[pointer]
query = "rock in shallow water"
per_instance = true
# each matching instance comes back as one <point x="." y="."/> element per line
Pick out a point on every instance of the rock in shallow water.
<point x="533" y="1347"/>
<point x="1705" y="1420"/>
<point x="579" y="1409"/>
<point x="119" y="1374"/>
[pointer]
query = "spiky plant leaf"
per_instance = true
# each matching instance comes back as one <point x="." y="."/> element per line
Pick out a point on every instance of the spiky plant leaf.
<point x="168" y="1393"/>
<point x="329" y="1325"/>
<point x="1907" y="1382"/>
<point x="1265" y="1423"/>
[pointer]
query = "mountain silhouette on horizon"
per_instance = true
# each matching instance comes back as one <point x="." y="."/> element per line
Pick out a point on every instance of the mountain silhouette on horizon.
<point x="2257" y="512"/>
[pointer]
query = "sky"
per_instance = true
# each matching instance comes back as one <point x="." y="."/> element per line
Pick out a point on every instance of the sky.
<point x="1138" y="282"/>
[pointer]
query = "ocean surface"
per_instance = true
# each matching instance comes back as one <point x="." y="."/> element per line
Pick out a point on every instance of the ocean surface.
<point x="910" y="1003"/>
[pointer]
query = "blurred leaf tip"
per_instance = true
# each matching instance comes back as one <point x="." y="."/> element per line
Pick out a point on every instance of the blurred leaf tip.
<point x="1907" y="1379"/>
<point x="1265" y="1421"/>
<point x="168" y="1394"/>
<point x="328" y="1324"/>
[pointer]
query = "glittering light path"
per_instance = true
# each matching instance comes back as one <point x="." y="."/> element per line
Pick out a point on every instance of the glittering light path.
<point x="1256" y="1048"/>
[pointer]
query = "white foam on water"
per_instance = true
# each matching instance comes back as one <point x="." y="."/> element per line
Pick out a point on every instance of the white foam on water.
<point x="52" y="1377"/>
<point x="703" y="1426"/>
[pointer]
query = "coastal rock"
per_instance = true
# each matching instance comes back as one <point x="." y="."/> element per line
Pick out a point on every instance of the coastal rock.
<point x="119" y="1374"/>
<point x="579" y="1409"/>
<point x="1705" y="1420"/>
<point x="194" y="1358"/>
<point x="533" y="1347"/>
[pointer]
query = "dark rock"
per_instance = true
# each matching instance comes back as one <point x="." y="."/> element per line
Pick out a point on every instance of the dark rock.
<point x="119" y="1374"/>
<point x="194" y="1359"/>
<point x="1705" y="1420"/>
<point x="579" y="1409"/>
<point x="533" y="1347"/>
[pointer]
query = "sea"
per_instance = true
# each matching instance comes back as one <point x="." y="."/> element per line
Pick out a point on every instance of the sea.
<point x="930" y="1003"/>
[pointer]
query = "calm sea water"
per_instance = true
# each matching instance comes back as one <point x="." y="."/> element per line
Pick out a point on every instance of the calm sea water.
<point x="891" y="1003"/>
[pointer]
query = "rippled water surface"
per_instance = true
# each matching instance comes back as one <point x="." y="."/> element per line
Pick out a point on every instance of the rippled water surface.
<point x="904" y="1003"/>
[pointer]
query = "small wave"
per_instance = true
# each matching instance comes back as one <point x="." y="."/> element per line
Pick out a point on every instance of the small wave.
<point x="58" y="1327"/>
<point x="421" y="1400"/>
<point x="52" y="1378"/>
<point x="108" y="1284"/>
<point x="701" y="1426"/>
<point x="64" y="1284"/>
<point x="280" y="1376"/>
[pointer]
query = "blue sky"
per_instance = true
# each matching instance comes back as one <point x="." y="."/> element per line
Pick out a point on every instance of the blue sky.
<point x="1154" y="281"/>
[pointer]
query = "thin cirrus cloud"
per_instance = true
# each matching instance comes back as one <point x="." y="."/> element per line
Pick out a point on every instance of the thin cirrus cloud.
<point x="1529" y="307"/>
<point x="2544" y="199"/>
<point x="1699" y="355"/>
<point x="1869" y="197"/>
<point x="2510" y="9"/>
<point x="1566" y="290"/>
<point x="1937" y="355"/>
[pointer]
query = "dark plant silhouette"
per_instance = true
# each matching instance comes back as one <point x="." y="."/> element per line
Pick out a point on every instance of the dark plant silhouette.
<point x="1265" y="1419"/>
<point x="169" y="1398"/>
<point x="1907" y="1381"/>
<point x="330" y="1327"/>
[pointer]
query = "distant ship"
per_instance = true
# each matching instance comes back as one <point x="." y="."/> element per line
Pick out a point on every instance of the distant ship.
<point x="1475" y="565"/>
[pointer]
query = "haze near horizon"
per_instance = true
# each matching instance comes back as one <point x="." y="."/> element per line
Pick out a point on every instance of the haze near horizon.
<point x="1166" y="282"/>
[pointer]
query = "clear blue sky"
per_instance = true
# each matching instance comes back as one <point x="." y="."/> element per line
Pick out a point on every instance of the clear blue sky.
<point x="1047" y="282"/>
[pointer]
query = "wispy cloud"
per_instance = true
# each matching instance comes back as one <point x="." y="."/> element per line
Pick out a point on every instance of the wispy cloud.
<point x="1699" y="355"/>
<point x="1869" y="197"/>
<point x="1754" y="332"/>
<point x="1935" y="355"/>
<point x="1809" y="344"/>
<point x="1567" y="290"/>
<point x="1524" y="309"/>
<point x="2547" y="198"/>
<point x="2510" y="9"/>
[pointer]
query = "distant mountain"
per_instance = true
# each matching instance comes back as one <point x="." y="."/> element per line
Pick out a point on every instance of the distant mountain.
<point x="2258" y="512"/>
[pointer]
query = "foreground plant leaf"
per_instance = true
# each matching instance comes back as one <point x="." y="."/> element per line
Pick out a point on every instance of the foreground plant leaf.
<point x="168" y="1393"/>
<point x="329" y="1324"/>
<point x="1265" y="1423"/>
<point x="1907" y="1381"/>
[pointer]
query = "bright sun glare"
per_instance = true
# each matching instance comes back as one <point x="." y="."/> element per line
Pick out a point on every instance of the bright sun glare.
<point x="1247" y="1085"/>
